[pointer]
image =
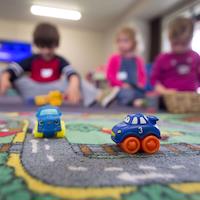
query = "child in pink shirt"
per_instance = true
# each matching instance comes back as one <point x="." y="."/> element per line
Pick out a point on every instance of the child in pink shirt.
<point x="125" y="70"/>
<point x="178" y="70"/>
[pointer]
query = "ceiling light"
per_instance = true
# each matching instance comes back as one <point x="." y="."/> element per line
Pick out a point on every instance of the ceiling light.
<point x="55" y="12"/>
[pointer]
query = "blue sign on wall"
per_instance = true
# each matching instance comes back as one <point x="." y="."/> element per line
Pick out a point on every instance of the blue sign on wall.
<point x="14" y="50"/>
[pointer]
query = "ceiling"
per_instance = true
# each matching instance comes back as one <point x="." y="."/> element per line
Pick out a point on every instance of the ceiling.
<point x="96" y="14"/>
<point x="148" y="9"/>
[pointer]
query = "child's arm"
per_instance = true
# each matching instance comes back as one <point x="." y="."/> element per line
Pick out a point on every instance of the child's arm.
<point x="142" y="76"/>
<point x="112" y="70"/>
<point x="163" y="90"/>
<point x="5" y="83"/>
<point x="72" y="92"/>
<point x="156" y="77"/>
<point x="14" y="71"/>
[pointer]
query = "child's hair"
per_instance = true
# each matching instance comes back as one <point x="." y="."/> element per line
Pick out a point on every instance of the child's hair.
<point x="181" y="28"/>
<point x="46" y="35"/>
<point x="129" y="32"/>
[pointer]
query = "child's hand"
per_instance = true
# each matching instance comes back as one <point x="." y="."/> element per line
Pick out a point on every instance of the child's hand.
<point x="163" y="90"/>
<point x="170" y="91"/>
<point x="73" y="93"/>
<point x="5" y="83"/>
<point x="126" y="86"/>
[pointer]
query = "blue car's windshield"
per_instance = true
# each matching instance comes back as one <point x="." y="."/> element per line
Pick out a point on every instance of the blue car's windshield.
<point x="48" y="112"/>
<point x="127" y="119"/>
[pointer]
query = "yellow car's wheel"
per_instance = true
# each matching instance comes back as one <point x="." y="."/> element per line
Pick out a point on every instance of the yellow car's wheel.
<point x="61" y="133"/>
<point x="36" y="133"/>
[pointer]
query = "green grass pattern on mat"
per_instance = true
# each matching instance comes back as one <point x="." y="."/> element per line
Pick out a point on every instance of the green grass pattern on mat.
<point x="159" y="192"/>
<point x="14" y="188"/>
<point x="88" y="133"/>
<point x="7" y="139"/>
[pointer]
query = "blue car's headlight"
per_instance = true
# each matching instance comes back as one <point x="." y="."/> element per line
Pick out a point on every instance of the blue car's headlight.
<point x="56" y="122"/>
<point x="116" y="132"/>
<point x="41" y="122"/>
<point x="112" y="134"/>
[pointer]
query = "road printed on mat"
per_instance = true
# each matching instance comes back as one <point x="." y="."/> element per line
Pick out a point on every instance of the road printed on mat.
<point x="118" y="170"/>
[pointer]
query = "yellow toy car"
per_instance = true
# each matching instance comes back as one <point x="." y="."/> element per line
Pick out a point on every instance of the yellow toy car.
<point x="54" y="98"/>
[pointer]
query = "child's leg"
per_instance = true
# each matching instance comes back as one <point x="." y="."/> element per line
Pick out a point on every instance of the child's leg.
<point x="139" y="94"/>
<point x="28" y="88"/>
<point x="125" y="96"/>
<point x="89" y="93"/>
<point x="138" y="100"/>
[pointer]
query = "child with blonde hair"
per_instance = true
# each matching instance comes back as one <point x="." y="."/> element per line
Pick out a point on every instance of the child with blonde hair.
<point x="178" y="70"/>
<point x="126" y="70"/>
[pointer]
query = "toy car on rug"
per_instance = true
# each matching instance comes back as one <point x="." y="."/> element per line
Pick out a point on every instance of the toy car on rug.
<point x="137" y="132"/>
<point x="49" y="123"/>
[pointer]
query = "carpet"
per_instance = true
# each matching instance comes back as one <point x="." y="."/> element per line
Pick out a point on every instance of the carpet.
<point x="88" y="165"/>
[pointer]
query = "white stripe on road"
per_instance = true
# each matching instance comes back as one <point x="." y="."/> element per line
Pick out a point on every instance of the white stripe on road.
<point x="178" y="167"/>
<point x="111" y="169"/>
<point x="47" y="147"/>
<point x="45" y="139"/>
<point x="34" y="145"/>
<point x="73" y="168"/>
<point x="147" y="167"/>
<point x="136" y="177"/>
<point x="50" y="158"/>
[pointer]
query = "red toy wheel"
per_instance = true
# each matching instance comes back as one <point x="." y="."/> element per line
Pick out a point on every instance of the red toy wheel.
<point x="150" y="144"/>
<point x="130" y="145"/>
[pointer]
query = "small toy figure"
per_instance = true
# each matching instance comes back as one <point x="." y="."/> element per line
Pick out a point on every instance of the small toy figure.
<point x="40" y="100"/>
<point x="137" y="132"/>
<point x="54" y="98"/>
<point x="49" y="123"/>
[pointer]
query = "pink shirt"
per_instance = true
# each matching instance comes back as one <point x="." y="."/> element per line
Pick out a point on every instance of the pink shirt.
<point x="177" y="71"/>
<point x="113" y="69"/>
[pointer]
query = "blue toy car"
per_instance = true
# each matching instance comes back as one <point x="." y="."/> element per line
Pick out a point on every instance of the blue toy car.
<point x="49" y="123"/>
<point x="137" y="132"/>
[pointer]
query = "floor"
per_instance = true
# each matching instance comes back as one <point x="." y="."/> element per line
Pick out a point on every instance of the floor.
<point x="15" y="104"/>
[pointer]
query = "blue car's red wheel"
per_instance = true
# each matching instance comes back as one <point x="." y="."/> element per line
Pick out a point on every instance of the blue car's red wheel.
<point x="130" y="145"/>
<point x="150" y="144"/>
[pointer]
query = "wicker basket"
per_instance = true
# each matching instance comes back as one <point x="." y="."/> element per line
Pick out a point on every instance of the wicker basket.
<point x="183" y="102"/>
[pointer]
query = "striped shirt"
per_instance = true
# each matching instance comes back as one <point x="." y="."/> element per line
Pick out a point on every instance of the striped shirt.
<point x="41" y="70"/>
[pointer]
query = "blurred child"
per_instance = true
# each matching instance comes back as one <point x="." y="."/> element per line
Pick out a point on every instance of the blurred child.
<point x="126" y="70"/>
<point x="45" y="70"/>
<point x="178" y="70"/>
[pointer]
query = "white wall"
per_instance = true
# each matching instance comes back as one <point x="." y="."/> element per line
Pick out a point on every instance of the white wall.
<point x="83" y="48"/>
<point x="184" y="11"/>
